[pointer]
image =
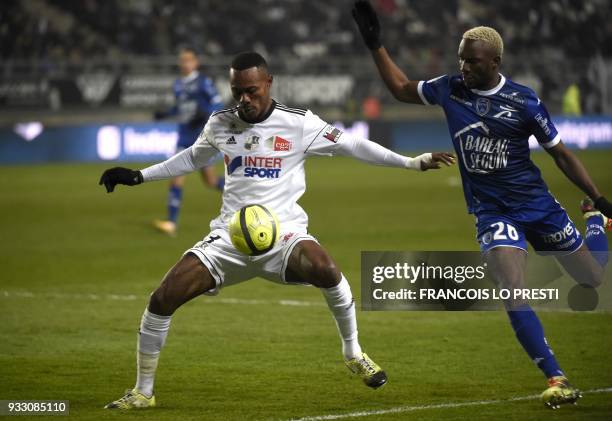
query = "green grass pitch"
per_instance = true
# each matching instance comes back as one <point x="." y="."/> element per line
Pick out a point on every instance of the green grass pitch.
<point x="77" y="265"/>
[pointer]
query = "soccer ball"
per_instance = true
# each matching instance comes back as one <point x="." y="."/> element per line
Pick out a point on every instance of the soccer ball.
<point x="254" y="230"/>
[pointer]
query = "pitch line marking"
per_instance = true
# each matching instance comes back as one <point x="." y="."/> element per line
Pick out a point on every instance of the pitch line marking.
<point x="402" y="409"/>
<point x="133" y="297"/>
<point x="298" y="303"/>
<point x="213" y="300"/>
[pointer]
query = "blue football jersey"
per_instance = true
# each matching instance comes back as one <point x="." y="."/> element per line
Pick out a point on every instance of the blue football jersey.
<point x="490" y="131"/>
<point x="196" y="99"/>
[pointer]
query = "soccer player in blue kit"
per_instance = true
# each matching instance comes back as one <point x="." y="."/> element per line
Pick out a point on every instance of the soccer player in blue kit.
<point x="196" y="99"/>
<point x="490" y="119"/>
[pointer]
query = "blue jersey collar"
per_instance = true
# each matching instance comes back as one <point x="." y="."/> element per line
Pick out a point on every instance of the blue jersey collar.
<point x="491" y="91"/>
<point x="191" y="76"/>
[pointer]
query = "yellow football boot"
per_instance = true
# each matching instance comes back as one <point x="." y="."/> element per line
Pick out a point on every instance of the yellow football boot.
<point x="132" y="400"/>
<point x="559" y="392"/>
<point x="371" y="374"/>
<point x="167" y="227"/>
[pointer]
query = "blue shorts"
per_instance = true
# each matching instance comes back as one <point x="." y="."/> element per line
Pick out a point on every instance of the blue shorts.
<point x="548" y="229"/>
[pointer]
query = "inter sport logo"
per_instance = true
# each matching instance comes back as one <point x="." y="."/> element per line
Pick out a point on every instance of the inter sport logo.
<point x="255" y="166"/>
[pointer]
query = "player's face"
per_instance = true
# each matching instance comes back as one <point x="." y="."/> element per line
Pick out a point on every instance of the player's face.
<point x="251" y="90"/>
<point x="188" y="62"/>
<point x="478" y="64"/>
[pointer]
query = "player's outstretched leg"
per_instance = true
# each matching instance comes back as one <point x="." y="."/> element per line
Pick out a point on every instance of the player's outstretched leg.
<point x="507" y="266"/>
<point x="175" y="197"/>
<point x="309" y="262"/>
<point x="186" y="280"/>
<point x="586" y="265"/>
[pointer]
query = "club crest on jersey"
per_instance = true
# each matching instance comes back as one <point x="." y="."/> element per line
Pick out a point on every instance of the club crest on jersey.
<point x="252" y="142"/>
<point x="332" y="134"/>
<point x="483" y="105"/>
<point x="481" y="153"/>
<point x="255" y="166"/>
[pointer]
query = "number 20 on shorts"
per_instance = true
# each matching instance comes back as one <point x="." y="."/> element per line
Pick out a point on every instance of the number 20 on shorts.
<point x="504" y="231"/>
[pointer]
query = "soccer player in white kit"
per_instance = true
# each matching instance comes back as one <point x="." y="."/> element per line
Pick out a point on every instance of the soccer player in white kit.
<point x="265" y="144"/>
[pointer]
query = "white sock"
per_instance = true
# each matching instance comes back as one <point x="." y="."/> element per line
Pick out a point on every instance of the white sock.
<point x="151" y="338"/>
<point x="341" y="303"/>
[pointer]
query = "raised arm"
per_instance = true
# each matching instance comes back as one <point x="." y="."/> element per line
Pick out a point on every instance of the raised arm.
<point x="402" y="88"/>
<point x="573" y="169"/>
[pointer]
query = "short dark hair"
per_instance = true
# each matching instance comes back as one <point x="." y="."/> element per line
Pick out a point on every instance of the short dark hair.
<point x="188" y="49"/>
<point x="249" y="59"/>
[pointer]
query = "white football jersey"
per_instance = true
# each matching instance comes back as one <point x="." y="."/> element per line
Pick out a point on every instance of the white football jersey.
<point x="264" y="162"/>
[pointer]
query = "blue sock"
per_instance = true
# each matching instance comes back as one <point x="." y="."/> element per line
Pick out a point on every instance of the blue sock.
<point x="174" y="202"/>
<point x="596" y="240"/>
<point x="530" y="334"/>
<point x="221" y="183"/>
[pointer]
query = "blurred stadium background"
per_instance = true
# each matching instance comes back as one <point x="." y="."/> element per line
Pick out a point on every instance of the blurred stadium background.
<point x="94" y="64"/>
<point x="79" y="80"/>
<point x="111" y="60"/>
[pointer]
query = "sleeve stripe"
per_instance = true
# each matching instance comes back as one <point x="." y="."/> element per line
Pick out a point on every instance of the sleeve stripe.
<point x="420" y="91"/>
<point x="552" y="143"/>
<point x="291" y="108"/>
<point x="315" y="138"/>
<point x="226" y="110"/>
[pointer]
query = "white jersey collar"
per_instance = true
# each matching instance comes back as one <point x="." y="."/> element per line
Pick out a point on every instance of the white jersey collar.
<point x="262" y="118"/>
<point x="492" y="91"/>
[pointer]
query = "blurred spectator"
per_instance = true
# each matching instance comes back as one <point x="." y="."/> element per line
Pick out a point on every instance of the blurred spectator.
<point x="371" y="108"/>
<point x="300" y="34"/>
<point x="571" y="101"/>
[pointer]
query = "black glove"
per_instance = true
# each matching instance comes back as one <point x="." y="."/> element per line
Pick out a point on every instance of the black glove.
<point x="368" y="24"/>
<point x="160" y="115"/>
<point x="603" y="206"/>
<point x="118" y="175"/>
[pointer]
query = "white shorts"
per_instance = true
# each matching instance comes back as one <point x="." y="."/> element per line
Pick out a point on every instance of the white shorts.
<point x="229" y="266"/>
